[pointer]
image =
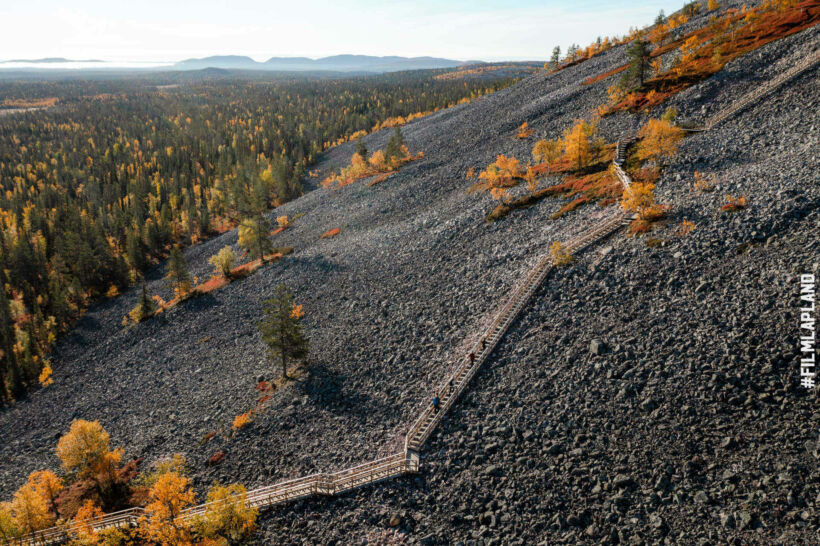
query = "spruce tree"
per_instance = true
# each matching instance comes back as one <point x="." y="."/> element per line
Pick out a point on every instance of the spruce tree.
<point x="281" y="329"/>
<point x="394" y="145"/>
<point x="638" y="55"/>
<point x="361" y="149"/>
<point x="8" y="359"/>
<point x="177" y="276"/>
<point x="255" y="227"/>
<point x="134" y="250"/>
<point x="556" y="57"/>
<point x="661" y="18"/>
<point x="145" y="304"/>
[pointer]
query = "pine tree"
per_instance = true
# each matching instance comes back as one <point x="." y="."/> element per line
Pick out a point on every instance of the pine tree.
<point x="361" y="149"/>
<point x="281" y="329"/>
<point x="638" y="55"/>
<point x="394" y="146"/>
<point x="8" y="360"/>
<point x="144" y="308"/>
<point x="177" y="276"/>
<point x="255" y="226"/>
<point x="660" y="19"/>
<point x="556" y="57"/>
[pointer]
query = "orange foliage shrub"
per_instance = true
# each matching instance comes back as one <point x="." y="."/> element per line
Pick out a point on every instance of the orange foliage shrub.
<point x="331" y="233"/>
<point x="734" y="204"/>
<point x="686" y="227"/>
<point x="216" y="458"/>
<point x="524" y="131"/>
<point x="560" y="255"/>
<point x="703" y="183"/>
<point x="605" y="75"/>
<point x="499" y="194"/>
<point x="45" y="375"/>
<point x="658" y="34"/>
<point x="377" y="164"/>
<point x="88" y="515"/>
<point x="296" y="312"/>
<point x="242" y="420"/>
<point x="501" y="173"/>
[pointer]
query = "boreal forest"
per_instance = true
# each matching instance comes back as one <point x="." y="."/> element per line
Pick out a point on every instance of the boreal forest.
<point x="101" y="178"/>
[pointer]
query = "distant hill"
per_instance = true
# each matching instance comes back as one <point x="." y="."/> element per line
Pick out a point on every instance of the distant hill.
<point x="336" y="63"/>
<point x="218" y="61"/>
<point x="49" y="60"/>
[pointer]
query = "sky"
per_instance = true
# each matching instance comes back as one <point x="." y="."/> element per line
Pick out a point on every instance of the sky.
<point x="171" y="30"/>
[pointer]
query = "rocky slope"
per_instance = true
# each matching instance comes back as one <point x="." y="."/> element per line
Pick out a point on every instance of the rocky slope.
<point x="689" y="426"/>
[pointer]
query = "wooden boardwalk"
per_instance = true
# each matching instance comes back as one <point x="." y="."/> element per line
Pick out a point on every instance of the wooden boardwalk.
<point x="407" y="460"/>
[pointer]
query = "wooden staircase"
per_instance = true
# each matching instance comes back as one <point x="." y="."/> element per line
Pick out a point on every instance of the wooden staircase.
<point x="408" y="460"/>
<point x="763" y="90"/>
<point x="620" y="156"/>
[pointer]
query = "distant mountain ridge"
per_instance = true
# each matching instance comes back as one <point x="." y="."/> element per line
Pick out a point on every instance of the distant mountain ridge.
<point x="48" y="60"/>
<point x="336" y="63"/>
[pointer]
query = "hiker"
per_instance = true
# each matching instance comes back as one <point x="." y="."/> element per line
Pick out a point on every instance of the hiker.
<point x="483" y="343"/>
<point x="452" y="385"/>
<point x="436" y="403"/>
<point x="472" y="358"/>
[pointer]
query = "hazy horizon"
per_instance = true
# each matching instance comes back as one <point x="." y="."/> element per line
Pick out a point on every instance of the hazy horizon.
<point x="487" y="30"/>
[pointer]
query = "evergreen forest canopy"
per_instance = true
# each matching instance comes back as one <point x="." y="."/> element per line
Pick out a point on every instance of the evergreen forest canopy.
<point x="101" y="180"/>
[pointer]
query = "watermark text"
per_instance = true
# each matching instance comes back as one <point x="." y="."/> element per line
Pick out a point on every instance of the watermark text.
<point x="807" y="331"/>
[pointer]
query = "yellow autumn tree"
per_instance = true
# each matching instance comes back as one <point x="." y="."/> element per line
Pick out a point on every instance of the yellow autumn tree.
<point x="658" y="34"/>
<point x="547" y="151"/>
<point x="638" y="198"/>
<point x="659" y="139"/>
<point x="85" y="451"/>
<point x="228" y="515"/>
<point x="223" y="261"/>
<point x="29" y="510"/>
<point x="169" y="496"/>
<point x="46" y="483"/>
<point x="578" y="143"/>
<point x="530" y="179"/>
<point x="8" y="527"/>
<point x="358" y="166"/>
<point x="377" y="160"/>
<point x="712" y="5"/>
